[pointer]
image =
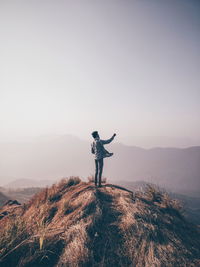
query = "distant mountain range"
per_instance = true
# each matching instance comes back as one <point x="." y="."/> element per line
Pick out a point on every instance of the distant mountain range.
<point x="27" y="183"/>
<point x="175" y="168"/>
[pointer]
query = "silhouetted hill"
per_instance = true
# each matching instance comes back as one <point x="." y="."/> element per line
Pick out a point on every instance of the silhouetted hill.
<point x="74" y="224"/>
<point x="3" y="198"/>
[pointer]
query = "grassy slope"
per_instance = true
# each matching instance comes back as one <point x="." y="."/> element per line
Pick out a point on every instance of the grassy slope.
<point x="74" y="224"/>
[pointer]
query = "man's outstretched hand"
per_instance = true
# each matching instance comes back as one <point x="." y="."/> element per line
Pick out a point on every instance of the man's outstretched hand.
<point x="114" y="134"/>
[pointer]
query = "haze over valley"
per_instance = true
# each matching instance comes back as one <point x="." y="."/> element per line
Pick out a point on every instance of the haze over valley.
<point x="50" y="159"/>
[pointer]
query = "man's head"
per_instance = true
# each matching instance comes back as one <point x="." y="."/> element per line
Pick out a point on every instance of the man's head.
<point x="95" y="134"/>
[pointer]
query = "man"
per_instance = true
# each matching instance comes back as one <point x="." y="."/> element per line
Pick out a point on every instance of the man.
<point x="100" y="153"/>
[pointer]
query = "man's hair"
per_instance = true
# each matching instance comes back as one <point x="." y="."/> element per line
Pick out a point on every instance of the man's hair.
<point x="95" y="134"/>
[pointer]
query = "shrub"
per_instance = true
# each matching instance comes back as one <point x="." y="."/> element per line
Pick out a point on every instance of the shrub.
<point x="173" y="205"/>
<point x="52" y="213"/>
<point x="153" y="193"/>
<point x="91" y="179"/>
<point x="67" y="182"/>
<point x="103" y="180"/>
<point x="56" y="197"/>
<point x="73" y="181"/>
<point x="67" y="208"/>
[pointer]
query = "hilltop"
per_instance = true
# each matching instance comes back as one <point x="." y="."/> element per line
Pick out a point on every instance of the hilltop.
<point x="74" y="224"/>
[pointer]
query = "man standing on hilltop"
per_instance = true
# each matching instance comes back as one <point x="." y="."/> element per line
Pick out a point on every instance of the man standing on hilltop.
<point x="100" y="153"/>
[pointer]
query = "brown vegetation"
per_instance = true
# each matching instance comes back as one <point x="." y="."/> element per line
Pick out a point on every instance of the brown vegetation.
<point x="74" y="224"/>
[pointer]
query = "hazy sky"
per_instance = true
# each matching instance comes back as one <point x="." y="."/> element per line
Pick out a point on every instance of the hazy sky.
<point x="130" y="67"/>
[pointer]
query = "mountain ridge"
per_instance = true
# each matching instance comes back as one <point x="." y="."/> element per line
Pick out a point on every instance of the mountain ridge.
<point x="63" y="157"/>
<point x="72" y="223"/>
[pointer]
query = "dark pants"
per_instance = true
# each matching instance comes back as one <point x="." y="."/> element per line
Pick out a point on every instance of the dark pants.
<point x="98" y="170"/>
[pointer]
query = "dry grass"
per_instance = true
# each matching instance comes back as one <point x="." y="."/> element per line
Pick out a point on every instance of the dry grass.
<point x="13" y="233"/>
<point x="155" y="230"/>
<point x="74" y="224"/>
<point x="67" y="182"/>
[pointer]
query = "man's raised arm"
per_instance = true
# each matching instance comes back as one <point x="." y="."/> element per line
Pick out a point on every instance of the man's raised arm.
<point x="104" y="142"/>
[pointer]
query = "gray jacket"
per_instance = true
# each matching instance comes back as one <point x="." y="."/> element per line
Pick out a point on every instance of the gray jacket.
<point x="98" y="149"/>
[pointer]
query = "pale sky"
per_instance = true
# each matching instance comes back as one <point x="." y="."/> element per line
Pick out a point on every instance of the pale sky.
<point x="71" y="67"/>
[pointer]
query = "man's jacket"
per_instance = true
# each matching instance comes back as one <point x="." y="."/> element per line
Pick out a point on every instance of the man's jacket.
<point x="98" y="149"/>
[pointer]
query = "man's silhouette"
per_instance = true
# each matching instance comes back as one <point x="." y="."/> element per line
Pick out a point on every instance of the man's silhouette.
<point x="100" y="153"/>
